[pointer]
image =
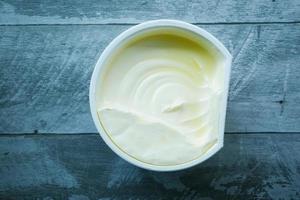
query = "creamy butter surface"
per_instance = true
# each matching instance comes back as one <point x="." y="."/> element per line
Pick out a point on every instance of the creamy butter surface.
<point x="160" y="95"/>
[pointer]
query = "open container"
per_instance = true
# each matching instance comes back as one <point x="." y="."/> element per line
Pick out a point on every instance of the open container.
<point x="134" y="32"/>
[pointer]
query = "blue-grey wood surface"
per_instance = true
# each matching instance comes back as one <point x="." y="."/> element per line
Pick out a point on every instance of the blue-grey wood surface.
<point x="250" y="166"/>
<point x="45" y="73"/>
<point x="48" y="50"/>
<point x="129" y="11"/>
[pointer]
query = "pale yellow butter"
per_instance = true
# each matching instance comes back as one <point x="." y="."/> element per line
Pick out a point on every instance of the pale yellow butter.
<point x="159" y="98"/>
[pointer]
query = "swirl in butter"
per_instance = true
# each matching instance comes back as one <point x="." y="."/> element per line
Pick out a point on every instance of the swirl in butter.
<point x="159" y="98"/>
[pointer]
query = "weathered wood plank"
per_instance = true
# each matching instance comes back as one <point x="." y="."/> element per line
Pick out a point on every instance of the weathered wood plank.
<point x="45" y="73"/>
<point x="250" y="166"/>
<point x="126" y="11"/>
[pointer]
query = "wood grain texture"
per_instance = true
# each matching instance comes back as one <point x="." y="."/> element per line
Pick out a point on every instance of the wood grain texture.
<point x="45" y="73"/>
<point x="250" y="166"/>
<point x="127" y="11"/>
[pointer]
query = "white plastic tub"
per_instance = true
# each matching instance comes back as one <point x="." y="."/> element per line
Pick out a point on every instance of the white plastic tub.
<point x="131" y="33"/>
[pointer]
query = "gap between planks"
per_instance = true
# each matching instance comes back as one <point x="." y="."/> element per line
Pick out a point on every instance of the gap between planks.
<point x="91" y="134"/>
<point x="126" y="24"/>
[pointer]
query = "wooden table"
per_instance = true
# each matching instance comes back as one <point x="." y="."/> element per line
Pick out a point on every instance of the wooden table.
<point x="50" y="149"/>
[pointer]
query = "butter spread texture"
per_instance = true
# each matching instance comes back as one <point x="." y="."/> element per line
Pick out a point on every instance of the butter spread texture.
<point x="159" y="99"/>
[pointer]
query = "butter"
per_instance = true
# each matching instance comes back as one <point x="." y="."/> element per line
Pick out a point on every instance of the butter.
<point x="160" y="96"/>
